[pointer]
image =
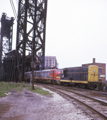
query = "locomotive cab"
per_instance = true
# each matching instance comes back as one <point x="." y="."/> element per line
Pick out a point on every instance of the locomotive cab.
<point x="93" y="73"/>
<point x="94" y="80"/>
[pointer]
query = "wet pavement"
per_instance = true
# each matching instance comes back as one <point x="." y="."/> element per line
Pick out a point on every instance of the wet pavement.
<point x="32" y="106"/>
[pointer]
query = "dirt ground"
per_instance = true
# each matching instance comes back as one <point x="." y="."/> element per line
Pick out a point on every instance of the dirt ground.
<point x="31" y="106"/>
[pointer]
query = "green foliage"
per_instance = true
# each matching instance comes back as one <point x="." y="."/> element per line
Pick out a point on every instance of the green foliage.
<point x="6" y="87"/>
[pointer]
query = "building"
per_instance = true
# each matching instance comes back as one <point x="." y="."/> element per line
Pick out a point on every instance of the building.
<point x="102" y="65"/>
<point x="50" y="62"/>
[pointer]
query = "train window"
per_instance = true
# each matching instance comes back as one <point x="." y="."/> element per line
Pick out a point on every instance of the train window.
<point x="59" y="70"/>
<point x="100" y="80"/>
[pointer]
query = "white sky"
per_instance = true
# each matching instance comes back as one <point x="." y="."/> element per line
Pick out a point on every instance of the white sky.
<point x="76" y="30"/>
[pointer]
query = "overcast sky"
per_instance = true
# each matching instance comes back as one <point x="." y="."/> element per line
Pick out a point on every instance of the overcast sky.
<point x="76" y="30"/>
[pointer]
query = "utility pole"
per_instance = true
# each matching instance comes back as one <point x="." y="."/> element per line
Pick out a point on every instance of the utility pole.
<point x="32" y="67"/>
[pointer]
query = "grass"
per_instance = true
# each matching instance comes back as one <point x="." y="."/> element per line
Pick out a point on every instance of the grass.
<point x="6" y="87"/>
<point x="39" y="90"/>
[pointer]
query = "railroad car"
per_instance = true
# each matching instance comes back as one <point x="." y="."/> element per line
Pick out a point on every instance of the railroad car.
<point x="52" y="76"/>
<point x="84" y="76"/>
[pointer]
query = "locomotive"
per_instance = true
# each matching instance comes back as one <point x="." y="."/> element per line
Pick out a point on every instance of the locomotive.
<point x="83" y="76"/>
<point x="51" y="76"/>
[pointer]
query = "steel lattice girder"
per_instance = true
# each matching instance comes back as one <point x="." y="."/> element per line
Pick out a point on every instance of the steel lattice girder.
<point x="6" y="35"/>
<point x="31" y="32"/>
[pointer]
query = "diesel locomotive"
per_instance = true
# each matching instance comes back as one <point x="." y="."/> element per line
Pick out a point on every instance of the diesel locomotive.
<point x="83" y="76"/>
<point x="51" y="76"/>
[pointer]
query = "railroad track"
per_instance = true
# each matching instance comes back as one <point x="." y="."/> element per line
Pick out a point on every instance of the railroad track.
<point x="98" y="94"/>
<point x="96" y="108"/>
<point x="82" y="89"/>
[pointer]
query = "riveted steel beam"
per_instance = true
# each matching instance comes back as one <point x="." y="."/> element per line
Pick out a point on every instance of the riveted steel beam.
<point x="31" y="27"/>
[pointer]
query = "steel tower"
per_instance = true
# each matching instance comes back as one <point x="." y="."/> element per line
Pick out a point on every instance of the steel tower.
<point x="31" y="27"/>
<point x="6" y="35"/>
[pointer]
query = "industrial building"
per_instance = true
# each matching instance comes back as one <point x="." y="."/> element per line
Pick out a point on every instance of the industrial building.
<point x="102" y="65"/>
<point x="50" y="62"/>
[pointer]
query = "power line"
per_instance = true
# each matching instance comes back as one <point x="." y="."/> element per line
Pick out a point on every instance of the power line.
<point x="13" y="8"/>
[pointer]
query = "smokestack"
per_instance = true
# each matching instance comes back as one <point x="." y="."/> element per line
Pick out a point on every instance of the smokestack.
<point x="93" y="60"/>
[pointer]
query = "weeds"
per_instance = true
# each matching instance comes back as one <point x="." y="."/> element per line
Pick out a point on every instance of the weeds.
<point x="6" y="87"/>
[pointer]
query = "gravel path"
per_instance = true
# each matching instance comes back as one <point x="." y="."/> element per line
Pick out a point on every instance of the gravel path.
<point x="31" y="106"/>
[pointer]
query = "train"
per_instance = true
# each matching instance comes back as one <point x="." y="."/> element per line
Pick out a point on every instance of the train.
<point x="83" y="76"/>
